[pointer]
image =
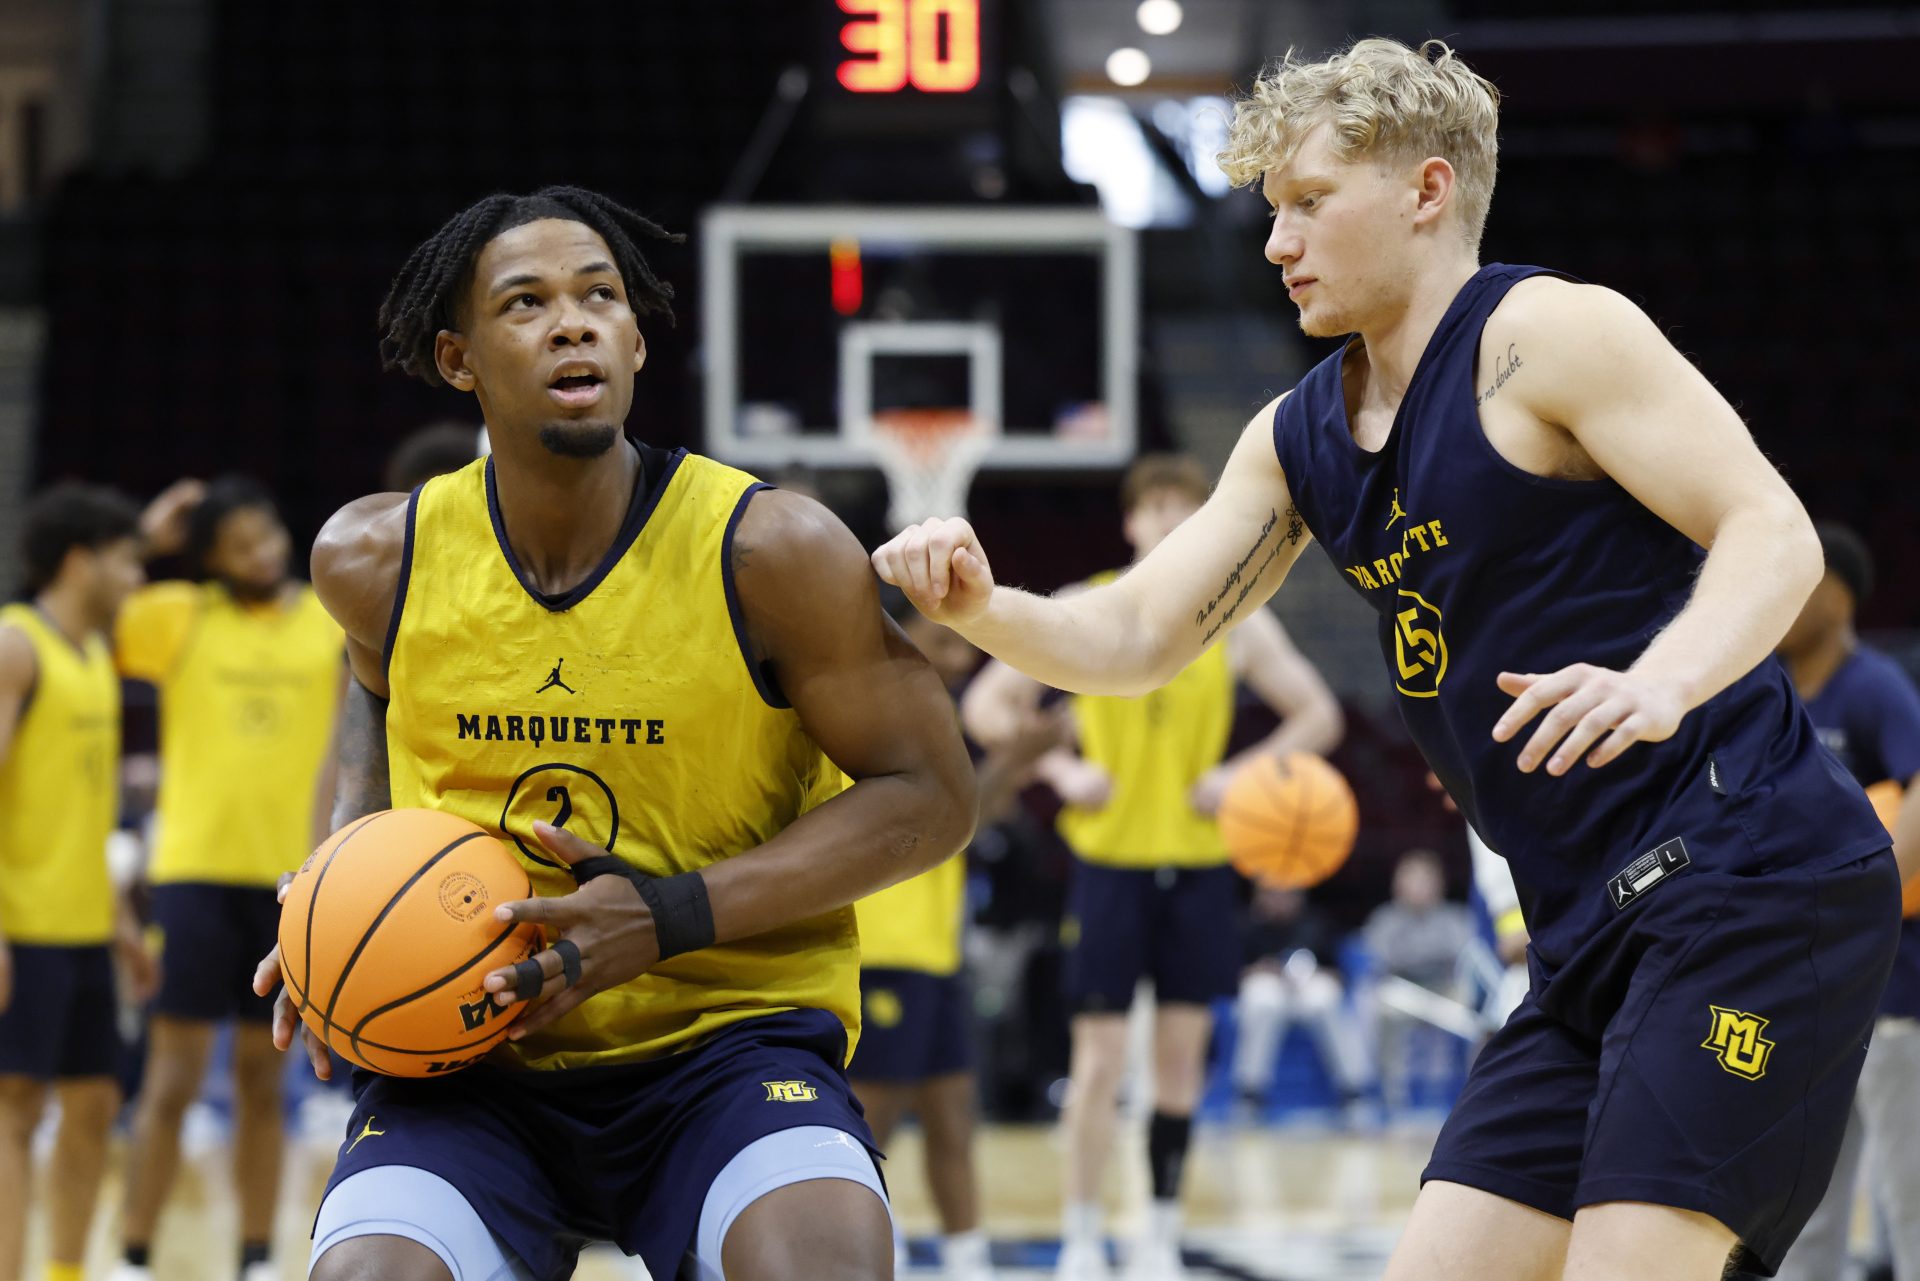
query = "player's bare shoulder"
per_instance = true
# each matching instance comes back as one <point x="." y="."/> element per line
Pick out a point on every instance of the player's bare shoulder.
<point x="786" y="550"/>
<point x="357" y="562"/>
<point x="1520" y="377"/>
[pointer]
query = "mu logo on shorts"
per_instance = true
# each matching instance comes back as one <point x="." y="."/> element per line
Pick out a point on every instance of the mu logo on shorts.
<point x="790" y="1092"/>
<point x="1737" y="1043"/>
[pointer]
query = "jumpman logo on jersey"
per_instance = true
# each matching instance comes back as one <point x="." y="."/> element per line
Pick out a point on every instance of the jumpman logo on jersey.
<point x="553" y="678"/>
<point x="1397" y="512"/>
<point x="367" y="1132"/>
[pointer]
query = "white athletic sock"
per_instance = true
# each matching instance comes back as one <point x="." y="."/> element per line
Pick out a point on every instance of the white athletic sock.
<point x="1163" y="1220"/>
<point x="964" y="1250"/>
<point x="1080" y="1221"/>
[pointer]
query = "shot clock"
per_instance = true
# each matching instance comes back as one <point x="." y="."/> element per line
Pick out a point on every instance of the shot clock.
<point x="887" y="66"/>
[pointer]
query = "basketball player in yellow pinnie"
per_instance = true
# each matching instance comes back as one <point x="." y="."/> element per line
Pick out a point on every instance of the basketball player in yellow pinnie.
<point x="916" y="1042"/>
<point x="1152" y="894"/>
<point x="248" y="667"/>
<point x="60" y="924"/>
<point x="652" y="676"/>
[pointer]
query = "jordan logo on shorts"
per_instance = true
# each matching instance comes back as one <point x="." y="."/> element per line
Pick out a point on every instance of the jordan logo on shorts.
<point x="790" y="1092"/>
<point x="367" y="1131"/>
<point x="1737" y="1043"/>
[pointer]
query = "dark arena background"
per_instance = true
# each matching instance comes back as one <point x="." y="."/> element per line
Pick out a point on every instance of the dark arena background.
<point x="941" y="256"/>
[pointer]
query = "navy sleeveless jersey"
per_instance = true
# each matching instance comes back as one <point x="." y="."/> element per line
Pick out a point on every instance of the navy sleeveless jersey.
<point x="1868" y="714"/>
<point x="1476" y="567"/>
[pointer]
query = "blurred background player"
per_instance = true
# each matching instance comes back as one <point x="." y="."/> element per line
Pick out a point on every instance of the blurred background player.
<point x="916" y="1039"/>
<point x="1867" y="711"/>
<point x="61" y="922"/>
<point x="247" y="665"/>
<point x="433" y="450"/>
<point x="1419" y="937"/>
<point x="1152" y="894"/>
<point x="1293" y="976"/>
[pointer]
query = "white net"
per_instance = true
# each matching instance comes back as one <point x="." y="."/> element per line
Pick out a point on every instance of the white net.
<point x="929" y="457"/>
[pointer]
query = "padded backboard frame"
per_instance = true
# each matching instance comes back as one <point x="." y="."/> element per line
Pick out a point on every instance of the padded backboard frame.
<point x="728" y="232"/>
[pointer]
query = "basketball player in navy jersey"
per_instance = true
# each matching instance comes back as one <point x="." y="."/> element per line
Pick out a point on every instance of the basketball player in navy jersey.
<point x="1581" y="564"/>
<point x="1866" y="708"/>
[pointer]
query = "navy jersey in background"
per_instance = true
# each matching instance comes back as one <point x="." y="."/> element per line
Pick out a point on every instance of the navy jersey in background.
<point x="1868" y="714"/>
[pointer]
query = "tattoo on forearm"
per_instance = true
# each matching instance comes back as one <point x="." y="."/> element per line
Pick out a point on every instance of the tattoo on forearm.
<point x="363" y="785"/>
<point x="1226" y="602"/>
<point x="1504" y="367"/>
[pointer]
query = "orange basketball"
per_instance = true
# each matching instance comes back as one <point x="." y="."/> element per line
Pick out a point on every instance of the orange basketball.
<point x="386" y="933"/>
<point x="1289" y="823"/>
<point x="1886" y="797"/>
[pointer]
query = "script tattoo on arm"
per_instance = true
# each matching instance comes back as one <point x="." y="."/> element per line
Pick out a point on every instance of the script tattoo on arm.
<point x="1504" y="367"/>
<point x="363" y="785"/>
<point x="1220" y="611"/>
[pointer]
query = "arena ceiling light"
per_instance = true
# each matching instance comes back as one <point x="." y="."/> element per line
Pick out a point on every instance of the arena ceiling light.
<point x="1128" y="67"/>
<point x="1160" y="17"/>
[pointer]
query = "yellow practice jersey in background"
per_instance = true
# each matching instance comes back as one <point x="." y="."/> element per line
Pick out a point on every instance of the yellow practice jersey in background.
<point x="627" y="712"/>
<point x="1155" y="748"/>
<point x="59" y="792"/>
<point x="247" y="701"/>
<point x="916" y="924"/>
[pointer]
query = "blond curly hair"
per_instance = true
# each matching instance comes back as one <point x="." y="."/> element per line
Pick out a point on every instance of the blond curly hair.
<point x="1386" y="101"/>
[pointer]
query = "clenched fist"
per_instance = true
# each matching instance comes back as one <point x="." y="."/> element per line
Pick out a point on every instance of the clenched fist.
<point x="941" y="567"/>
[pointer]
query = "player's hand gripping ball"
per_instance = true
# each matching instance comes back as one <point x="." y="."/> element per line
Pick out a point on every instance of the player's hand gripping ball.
<point x="1289" y="823"/>
<point x="387" y="932"/>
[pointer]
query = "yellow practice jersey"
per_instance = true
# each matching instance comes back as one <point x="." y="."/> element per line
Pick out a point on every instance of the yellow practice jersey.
<point x="1155" y="748"/>
<point x="628" y="712"/>
<point x="916" y="924"/>
<point x="247" y="700"/>
<point x="59" y="792"/>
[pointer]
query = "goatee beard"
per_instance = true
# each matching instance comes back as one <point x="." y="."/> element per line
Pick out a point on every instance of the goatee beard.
<point x="578" y="440"/>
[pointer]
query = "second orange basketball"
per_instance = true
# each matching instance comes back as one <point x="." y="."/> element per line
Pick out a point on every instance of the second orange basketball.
<point x="387" y="932"/>
<point x="1289" y="823"/>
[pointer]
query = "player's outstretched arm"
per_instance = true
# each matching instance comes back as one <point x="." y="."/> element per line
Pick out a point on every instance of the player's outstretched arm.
<point x="1598" y="368"/>
<point x="1138" y="632"/>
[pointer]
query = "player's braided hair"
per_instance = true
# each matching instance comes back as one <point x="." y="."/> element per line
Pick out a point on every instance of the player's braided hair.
<point x="426" y="294"/>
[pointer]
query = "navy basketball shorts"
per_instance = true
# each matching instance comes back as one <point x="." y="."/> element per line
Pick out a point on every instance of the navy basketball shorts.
<point x="60" y="1022"/>
<point x="1701" y="1053"/>
<point x="211" y="938"/>
<point x="551" y="1161"/>
<point x="1179" y="927"/>
<point x="914" y="1026"/>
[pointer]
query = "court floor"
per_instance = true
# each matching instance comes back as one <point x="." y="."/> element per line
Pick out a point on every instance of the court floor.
<point x="1263" y="1205"/>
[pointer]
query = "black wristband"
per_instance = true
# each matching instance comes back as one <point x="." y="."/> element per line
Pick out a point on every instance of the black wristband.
<point x="682" y="915"/>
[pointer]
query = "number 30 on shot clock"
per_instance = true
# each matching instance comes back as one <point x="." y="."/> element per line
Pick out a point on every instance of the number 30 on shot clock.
<point x="894" y="45"/>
